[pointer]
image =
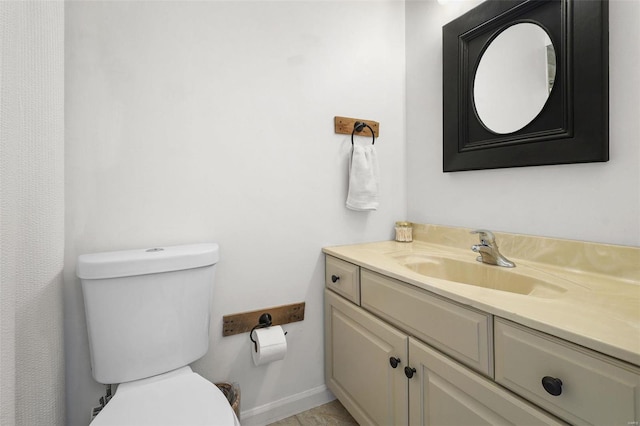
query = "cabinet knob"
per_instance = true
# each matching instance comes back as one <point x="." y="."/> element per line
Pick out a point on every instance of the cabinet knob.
<point x="334" y="278"/>
<point x="552" y="385"/>
<point x="394" y="362"/>
<point x="409" y="372"/>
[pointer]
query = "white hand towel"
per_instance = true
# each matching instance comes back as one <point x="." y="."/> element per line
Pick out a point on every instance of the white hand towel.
<point x="363" y="179"/>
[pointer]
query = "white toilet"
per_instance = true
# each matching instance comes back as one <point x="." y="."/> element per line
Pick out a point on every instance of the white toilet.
<point x="148" y="318"/>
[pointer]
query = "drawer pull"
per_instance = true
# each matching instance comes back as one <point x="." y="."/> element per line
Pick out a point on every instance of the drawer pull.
<point x="334" y="278"/>
<point x="409" y="372"/>
<point x="394" y="362"/>
<point x="552" y="385"/>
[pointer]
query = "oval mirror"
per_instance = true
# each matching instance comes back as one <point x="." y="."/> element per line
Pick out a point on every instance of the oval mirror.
<point x="514" y="78"/>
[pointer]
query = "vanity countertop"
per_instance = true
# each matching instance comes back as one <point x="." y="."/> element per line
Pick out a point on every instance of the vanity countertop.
<point x="600" y="308"/>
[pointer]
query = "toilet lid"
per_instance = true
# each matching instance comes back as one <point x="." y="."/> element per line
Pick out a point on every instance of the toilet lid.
<point x="181" y="397"/>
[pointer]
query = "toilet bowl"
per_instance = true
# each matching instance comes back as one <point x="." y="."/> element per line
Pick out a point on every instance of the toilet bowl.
<point x="148" y="316"/>
<point x="180" y="397"/>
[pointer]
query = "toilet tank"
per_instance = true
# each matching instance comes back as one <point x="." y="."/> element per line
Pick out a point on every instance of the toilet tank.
<point x="147" y="310"/>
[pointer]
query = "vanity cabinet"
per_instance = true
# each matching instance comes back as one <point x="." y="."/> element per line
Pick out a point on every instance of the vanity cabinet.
<point x="379" y="365"/>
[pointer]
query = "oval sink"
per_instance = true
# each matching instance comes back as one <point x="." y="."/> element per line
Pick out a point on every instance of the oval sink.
<point x="480" y="275"/>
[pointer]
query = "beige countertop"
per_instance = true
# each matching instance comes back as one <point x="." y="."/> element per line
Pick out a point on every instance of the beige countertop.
<point x="598" y="309"/>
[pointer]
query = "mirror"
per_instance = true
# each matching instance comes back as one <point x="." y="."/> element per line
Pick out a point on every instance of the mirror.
<point x="514" y="78"/>
<point x="493" y="119"/>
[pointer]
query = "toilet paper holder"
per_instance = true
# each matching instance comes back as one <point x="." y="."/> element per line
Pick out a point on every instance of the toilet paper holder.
<point x="264" y="321"/>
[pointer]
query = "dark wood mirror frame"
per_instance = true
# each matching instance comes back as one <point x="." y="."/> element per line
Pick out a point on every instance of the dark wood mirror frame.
<point x="573" y="126"/>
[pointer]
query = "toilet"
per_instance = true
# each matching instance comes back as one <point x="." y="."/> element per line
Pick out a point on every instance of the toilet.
<point x="148" y="315"/>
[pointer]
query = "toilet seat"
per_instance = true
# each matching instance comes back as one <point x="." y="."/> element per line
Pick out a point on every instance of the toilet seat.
<point x="180" y="397"/>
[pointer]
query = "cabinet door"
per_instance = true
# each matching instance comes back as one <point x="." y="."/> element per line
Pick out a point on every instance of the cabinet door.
<point x="442" y="392"/>
<point x="358" y="348"/>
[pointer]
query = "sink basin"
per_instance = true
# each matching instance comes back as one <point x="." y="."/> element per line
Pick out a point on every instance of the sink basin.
<point x="480" y="275"/>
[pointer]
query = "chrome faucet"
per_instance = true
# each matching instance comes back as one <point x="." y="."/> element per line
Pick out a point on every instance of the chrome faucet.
<point x="488" y="250"/>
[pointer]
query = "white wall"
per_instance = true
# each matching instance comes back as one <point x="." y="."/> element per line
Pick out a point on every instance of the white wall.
<point x="213" y="121"/>
<point x="31" y="212"/>
<point x="595" y="202"/>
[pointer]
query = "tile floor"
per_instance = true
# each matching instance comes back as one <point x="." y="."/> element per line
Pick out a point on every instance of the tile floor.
<point x="330" y="414"/>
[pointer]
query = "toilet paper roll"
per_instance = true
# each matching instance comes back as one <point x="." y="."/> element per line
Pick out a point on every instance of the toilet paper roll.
<point x="272" y="345"/>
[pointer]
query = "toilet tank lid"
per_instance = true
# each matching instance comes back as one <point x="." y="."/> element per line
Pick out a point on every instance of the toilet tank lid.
<point x="146" y="261"/>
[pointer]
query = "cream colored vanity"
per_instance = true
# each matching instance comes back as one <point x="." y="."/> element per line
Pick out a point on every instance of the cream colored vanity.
<point x="403" y="347"/>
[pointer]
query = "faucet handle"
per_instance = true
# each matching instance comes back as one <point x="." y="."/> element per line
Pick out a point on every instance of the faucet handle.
<point x="486" y="236"/>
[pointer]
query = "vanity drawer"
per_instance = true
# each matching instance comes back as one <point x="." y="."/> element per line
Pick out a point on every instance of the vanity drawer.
<point x="343" y="278"/>
<point x="595" y="389"/>
<point x="462" y="333"/>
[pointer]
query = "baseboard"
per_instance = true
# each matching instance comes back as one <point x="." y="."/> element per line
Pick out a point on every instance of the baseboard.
<point x="285" y="407"/>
